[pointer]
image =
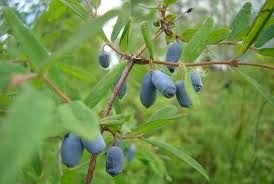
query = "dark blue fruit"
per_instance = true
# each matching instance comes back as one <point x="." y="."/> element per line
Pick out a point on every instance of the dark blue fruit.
<point x="114" y="161"/>
<point x="163" y="83"/>
<point x="104" y="59"/>
<point x="131" y="152"/>
<point x="71" y="150"/>
<point x="123" y="89"/>
<point x="148" y="92"/>
<point x="95" y="146"/>
<point x="196" y="81"/>
<point x="181" y="95"/>
<point x="173" y="54"/>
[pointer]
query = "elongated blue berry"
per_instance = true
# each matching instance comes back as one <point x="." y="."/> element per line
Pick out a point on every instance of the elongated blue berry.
<point x="104" y="59"/>
<point x="196" y="81"/>
<point x="148" y="92"/>
<point x="95" y="146"/>
<point x="71" y="150"/>
<point x="114" y="161"/>
<point x="131" y="151"/>
<point x="123" y="89"/>
<point x="181" y="95"/>
<point x="163" y="83"/>
<point x="173" y="54"/>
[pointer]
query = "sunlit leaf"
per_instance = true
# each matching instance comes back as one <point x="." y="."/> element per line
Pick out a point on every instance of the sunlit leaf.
<point x="147" y="38"/>
<point x="76" y="7"/>
<point x="22" y="131"/>
<point x="241" y="21"/>
<point x="168" y="2"/>
<point x="198" y="42"/>
<point x="78" y="118"/>
<point x="218" y="35"/>
<point x="124" y="40"/>
<point x="258" y="24"/>
<point x="266" y="52"/>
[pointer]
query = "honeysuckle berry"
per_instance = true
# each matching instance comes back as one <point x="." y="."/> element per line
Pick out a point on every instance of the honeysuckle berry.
<point x="173" y="54"/>
<point x="131" y="151"/>
<point x="164" y="84"/>
<point x="71" y="150"/>
<point x="148" y="92"/>
<point x="114" y="161"/>
<point x="181" y="95"/>
<point x="104" y="59"/>
<point x="196" y="81"/>
<point x="96" y="145"/>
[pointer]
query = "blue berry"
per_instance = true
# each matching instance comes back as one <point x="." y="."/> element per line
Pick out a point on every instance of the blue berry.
<point x="95" y="146"/>
<point x="114" y="161"/>
<point x="196" y="81"/>
<point x="148" y="92"/>
<point x="181" y="95"/>
<point x="173" y="54"/>
<point x="117" y="143"/>
<point x="71" y="150"/>
<point x="164" y="84"/>
<point x="104" y="59"/>
<point x="131" y="151"/>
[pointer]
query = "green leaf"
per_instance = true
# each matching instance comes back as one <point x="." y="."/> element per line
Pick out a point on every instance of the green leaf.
<point x="78" y="118"/>
<point x="164" y="113"/>
<point x="103" y="86"/>
<point x="22" y="131"/>
<point x="198" y="42"/>
<point x="189" y="89"/>
<point x="4" y="28"/>
<point x="76" y="7"/>
<point x="147" y="38"/>
<point x="115" y="121"/>
<point x="266" y="52"/>
<point x="266" y="35"/>
<point x="180" y="154"/>
<point x="28" y="42"/>
<point x="259" y="88"/>
<point x="151" y="126"/>
<point x="124" y="40"/>
<point x="218" y="35"/>
<point x="258" y="24"/>
<point x="76" y="72"/>
<point x="168" y="2"/>
<point x="90" y="29"/>
<point x="188" y="34"/>
<point x="96" y="3"/>
<point x="240" y="21"/>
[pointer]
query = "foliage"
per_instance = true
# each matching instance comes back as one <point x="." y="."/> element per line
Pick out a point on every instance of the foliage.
<point x="51" y="83"/>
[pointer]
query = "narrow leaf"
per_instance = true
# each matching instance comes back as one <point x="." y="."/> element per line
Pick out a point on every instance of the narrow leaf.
<point x="78" y="118"/>
<point x="180" y="154"/>
<point x="198" y="42"/>
<point x="240" y="21"/>
<point x="258" y="24"/>
<point x="146" y="36"/>
<point x="168" y="2"/>
<point x="103" y="86"/>
<point x="266" y="52"/>
<point x="90" y="29"/>
<point x="76" y="72"/>
<point x="218" y="35"/>
<point x="124" y="40"/>
<point x="164" y="113"/>
<point x="188" y="34"/>
<point x="266" y="35"/>
<point x="28" y="42"/>
<point x="266" y="94"/>
<point x="151" y="126"/>
<point x="22" y="131"/>
<point x="76" y="7"/>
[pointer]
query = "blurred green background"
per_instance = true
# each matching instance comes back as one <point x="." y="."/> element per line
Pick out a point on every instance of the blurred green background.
<point x="230" y="134"/>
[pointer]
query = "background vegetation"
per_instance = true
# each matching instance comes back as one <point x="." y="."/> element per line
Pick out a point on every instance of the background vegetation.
<point x="230" y="133"/>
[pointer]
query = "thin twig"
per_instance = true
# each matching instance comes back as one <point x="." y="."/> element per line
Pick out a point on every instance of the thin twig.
<point x="91" y="169"/>
<point x="54" y="88"/>
<point x="18" y="79"/>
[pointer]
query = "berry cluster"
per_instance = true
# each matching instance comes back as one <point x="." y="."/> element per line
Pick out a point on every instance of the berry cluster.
<point x="73" y="146"/>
